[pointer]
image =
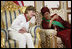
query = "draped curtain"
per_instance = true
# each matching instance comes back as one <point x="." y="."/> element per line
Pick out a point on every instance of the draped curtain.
<point x="20" y="3"/>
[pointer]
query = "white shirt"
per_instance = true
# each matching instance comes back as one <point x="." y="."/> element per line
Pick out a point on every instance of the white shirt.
<point x="20" y="22"/>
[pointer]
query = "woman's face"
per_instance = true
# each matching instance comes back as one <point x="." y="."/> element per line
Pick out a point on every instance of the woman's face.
<point x="31" y="13"/>
<point x="47" y="15"/>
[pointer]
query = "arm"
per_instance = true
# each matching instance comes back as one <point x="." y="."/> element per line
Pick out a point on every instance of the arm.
<point x="32" y="22"/>
<point x="26" y="25"/>
<point x="17" y="23"/>
<point x="54" y="17"/>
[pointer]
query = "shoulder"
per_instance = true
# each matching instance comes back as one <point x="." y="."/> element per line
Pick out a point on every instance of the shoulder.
<point x="55" y="16"/>
<point x="20" y="16"/>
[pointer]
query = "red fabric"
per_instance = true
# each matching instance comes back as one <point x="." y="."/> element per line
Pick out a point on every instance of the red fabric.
<point x="64" y="23"/>
<point x="16" y="2"/>
<point x="45" y="9"/>
<point x="65" y="33"/>
<point x="22" y="3"/>
<point x="45" y="25"/>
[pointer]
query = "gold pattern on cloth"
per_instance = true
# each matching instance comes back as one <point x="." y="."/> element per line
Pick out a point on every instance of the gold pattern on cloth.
<point x="2" y="40"/>
<point x="52" y="38"/>
<point x="2" y="23"/>
<point x="38" y="35"/>
<point x="11" y="6"/>
<point x="23" y="9"/>
<point x="49" y="40"/>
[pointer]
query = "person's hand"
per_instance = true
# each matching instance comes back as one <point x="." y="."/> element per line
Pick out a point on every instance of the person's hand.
<point x="55" y="28"/>
<point x="30" y="24"/>
<point x="50" y="24"/>
<point x="55" y="17"/>
<point x="23" y="30"/>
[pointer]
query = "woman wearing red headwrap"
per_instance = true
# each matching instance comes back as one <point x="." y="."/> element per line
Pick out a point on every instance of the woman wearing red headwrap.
<point x="56" y="22"/>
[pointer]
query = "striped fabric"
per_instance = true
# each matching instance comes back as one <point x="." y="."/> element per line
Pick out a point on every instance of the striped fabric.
<point x="36" y="37"/>
<point x="4" y="33"/>
<point x="11" y="44"/>
<point x="7" y="18"/>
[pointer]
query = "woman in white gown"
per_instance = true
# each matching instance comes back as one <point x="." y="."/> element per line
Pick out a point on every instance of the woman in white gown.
<point x="20" y="26"/>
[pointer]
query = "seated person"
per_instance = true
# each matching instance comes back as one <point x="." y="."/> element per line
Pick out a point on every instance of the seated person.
<point x="19" y="28"/>
<point x="62" y="27"/>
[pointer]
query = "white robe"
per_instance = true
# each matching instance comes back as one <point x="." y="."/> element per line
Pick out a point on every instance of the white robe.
<point x="24" y="38"/>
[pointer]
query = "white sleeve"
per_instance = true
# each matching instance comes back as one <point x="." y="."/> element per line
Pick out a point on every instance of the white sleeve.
<point x="32" y="20"/>
<point x="16" y="23"/>
<point x="26" y="25"/>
